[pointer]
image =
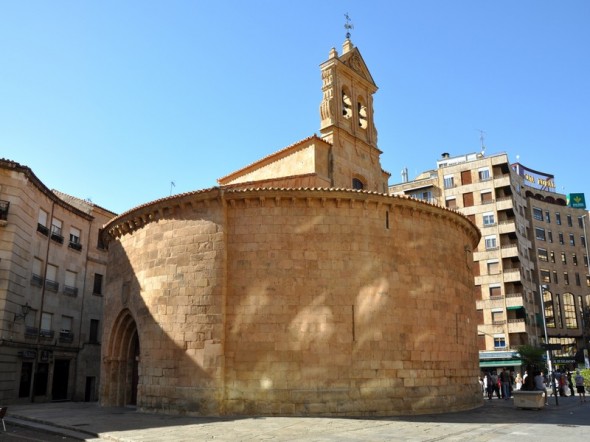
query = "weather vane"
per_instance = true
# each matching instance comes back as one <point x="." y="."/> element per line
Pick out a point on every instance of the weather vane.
<point x="348" y="25"/>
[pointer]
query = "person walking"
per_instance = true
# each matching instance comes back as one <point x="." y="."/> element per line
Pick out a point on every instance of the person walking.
<point x="580" y="386"/>
<point x="505" y="380"/>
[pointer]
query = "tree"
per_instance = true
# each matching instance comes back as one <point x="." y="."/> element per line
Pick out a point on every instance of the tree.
<point x="532" y="356"/>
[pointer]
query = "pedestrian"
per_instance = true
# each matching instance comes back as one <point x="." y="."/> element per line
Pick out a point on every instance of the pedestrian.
<point x="580" y="386"/>
<point x="540" y="385"/>
<point x="518" y="381"/>
<point x="494" y="382"/>
<point x="505" y="380"/>
<point x="570" y="383"/>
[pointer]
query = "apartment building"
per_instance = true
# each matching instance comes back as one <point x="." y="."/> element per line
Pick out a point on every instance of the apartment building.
<point x="52" y="267"/>
<point x="505" y="201"/>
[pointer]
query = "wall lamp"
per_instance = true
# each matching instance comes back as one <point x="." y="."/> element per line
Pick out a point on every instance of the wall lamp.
<point x="25" y="309"/>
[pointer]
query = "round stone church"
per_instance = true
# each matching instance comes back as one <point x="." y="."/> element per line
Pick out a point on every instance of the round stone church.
<point x="297" y="286"/>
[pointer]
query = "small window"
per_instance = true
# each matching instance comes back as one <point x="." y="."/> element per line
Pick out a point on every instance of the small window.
<point x="490" y="242"/>
<point x="578" y="282"/>
<point x="566" y="278"/>
<point x="552" y="255"/>
<point x="563" y="258"/>
<point x="555" y="278"/>
<point x="66" y="324"/>
<point x="572" y="240"/>
<point x="46" y="320"/>
<point x="498" y="317"/>
<point x="346" y="104"/>
<point x="549" y="236"/>
<point x="558" y="218"/>
<point x="97" y="287"/>
<point x="547" y="216"/>
<point x="493" y="267"/>
<point x="540" y="233"/>
<point x="499" y="342"/>
<point x="362" y="114"/>
<point x="483" y="174"/>
<point x="449" y="181"/>
<point x="537" y="214"/>
<point x="545" y="276"/>
<point x="561" y="238"/>
<point x="495" y="291"/>
<point x="574" y="259"/>
<point x="542" y="254"/>
<point x="93" y="335"/>
<point x="581" y="222"/>
<point x="451" y="203"/>
<point x="486" y="197"/>
<point x="489" y="219"/>
<point x="357" y="184"/>
<point x="583" y="241"/>
<point x="75" y="239"/>
<point x="569" y="221"/>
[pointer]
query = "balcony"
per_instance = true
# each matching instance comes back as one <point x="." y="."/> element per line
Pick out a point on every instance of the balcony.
<point x="36" y="280"/>
<point x="501" y="181"/>
<point x="507" y="227"/>
<point x="514" y="300"/>
<point x="75" y="245"/>
<point x="504" y="203"/>
<point x="511" y="275"/>
<point x="57" y="237"/>
<point x="48" y="334"/>
<point x="52" y="286"/>
<point x="516" y="326"/>
<point x="42" y="229"/>
<point x="509" y="250"/>
<point x="66" y="337"/>
<point x="70" y="291"/>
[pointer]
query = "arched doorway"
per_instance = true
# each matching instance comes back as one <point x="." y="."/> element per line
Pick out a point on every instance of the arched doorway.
<point x="121" y="362"/>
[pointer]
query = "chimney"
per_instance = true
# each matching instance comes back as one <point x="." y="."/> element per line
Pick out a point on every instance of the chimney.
<point x="445" y="155"/>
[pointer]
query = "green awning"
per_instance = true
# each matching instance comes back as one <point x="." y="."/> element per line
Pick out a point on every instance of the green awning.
<point x="514" y="307"/>
<point x="501" y="363"/>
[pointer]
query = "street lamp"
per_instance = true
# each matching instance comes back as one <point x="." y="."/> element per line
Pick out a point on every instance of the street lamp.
<point x="542" y="289"/>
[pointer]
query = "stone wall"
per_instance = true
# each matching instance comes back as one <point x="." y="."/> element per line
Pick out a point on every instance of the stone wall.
<point x="294" y="302"/>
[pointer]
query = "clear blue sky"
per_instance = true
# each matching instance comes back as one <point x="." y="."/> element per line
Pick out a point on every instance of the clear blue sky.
<point x="113" y="100"/>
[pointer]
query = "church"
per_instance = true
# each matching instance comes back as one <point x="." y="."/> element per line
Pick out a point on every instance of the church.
<point x="296" y="286"/>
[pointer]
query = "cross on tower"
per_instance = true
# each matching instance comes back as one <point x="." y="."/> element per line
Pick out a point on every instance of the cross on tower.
<point x="348" y="26"/>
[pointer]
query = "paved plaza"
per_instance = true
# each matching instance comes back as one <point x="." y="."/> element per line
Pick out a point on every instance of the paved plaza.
<point x="495" y="420"/>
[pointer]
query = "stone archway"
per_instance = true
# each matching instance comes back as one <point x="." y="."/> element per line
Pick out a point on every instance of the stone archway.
<point x="121" y="362"/>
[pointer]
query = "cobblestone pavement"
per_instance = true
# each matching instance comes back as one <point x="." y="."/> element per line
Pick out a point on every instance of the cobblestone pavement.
<point x="495" y="420"/>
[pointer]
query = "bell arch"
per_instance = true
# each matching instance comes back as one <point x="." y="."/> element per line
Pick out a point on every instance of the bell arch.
<point x="121" y="362"/>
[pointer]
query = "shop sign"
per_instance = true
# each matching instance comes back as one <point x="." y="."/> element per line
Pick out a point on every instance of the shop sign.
<point x="576" y="201"/>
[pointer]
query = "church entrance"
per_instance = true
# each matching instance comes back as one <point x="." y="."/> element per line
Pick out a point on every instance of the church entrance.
<point x="122" y="363"/>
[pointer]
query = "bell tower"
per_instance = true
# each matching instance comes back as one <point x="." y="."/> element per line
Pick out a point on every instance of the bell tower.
<point x="346" y="120"/>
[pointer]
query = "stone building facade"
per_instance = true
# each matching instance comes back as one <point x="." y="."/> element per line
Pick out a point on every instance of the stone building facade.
<point x="52" y="267"/>
<point x="296" y="287"/>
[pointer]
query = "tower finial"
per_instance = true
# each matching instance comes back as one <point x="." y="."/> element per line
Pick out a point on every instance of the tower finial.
<point x="348" y="25"/>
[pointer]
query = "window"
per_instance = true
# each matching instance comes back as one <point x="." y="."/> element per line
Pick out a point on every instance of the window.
<point x="558" y="218"/>
<point x="499" y="342"/>
<point x="566" y="278"/>
<point x="490" y="242"/>
<point x="36" y="277"/>
<point x="100" y="243"/>
<point x="468" y="199"/>
<point x="563" y="258"/>
<point x="483" y="174"/>
<point x="56" y="231"/>
<point x="545" y="276"/>
<point x="70" y="283"/>
<point x="585" y="260"/>
<point x="495" y="291"/>
<point x="572" y="240"/>
<point x="581" y="222"/>
<point x="540" y="233"/>
<point x="578" y="281"/>
<point x="493" y="267"/>
<point x="547" y="216"/>
<point x="424" y="196"/>
<point x="537" y="214"/>
<point x="569" y="221"/>
<point x="561" y="238"/>
<point x="97" y="288"/>
<point x="542" y="254"/>
<point x="549" y="311"/>
<point x="42" y="222"/>
<point x="46" y="320"/>
<point x="498" y="317"/>
<point x="549" y="236"/>
<point x="357" y="184"/>
<point x="51" y="278"/>
<point x="449" y="181"/>
<point x="488" y="219"/>
<point x="486" y="197"/>
<point x="558" y="318"/>
<point x="583" y="241"/>
<point x="93" y="335"/>
<point x="75" y="239"/>
<point x="552" y="255"/>
<point x="574" y="259"/>
<point x="555" y="278"/>
<point x="451" y="202"/>
<point x="65" y="332"/>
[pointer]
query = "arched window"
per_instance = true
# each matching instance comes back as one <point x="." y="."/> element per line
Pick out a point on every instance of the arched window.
<point x="346" y="103"/>
<point x="357" y="184"/>
<point x="549" y="311"/>
<point x="362" y="112"/>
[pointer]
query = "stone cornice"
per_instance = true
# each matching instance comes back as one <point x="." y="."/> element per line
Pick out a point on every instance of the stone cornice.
<point x="288" y="197"/>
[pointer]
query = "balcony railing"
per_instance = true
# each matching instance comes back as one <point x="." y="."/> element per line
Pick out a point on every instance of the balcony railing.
<point x="46" y="333"/>
<point x="75" y="245"/>
<point x="31" y="332"/>
<point x="42" y="229"/>
<point x="57" y="237"/>
<point x="51" y="285"/>
<point x="70" y="291"/>
<point x="66" y="337"/>
<point x="36" y="280"/>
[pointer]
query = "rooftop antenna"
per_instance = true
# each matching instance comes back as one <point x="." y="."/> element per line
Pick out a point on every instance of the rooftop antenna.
<point x="481" y="138"/>
<point x="172" y="184"/>
<point x="348" y="26"/>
